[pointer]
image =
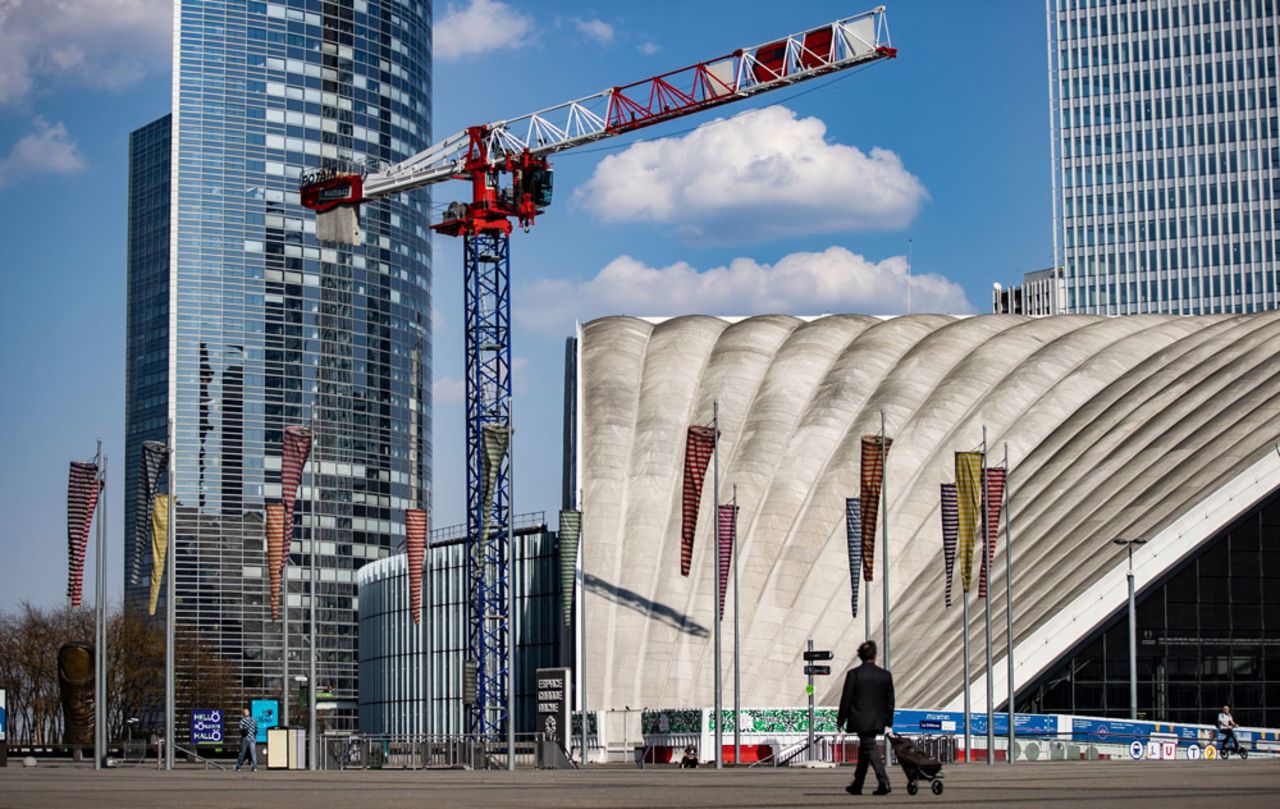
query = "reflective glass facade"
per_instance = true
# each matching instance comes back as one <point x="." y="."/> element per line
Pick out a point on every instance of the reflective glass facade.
<point x="1167" y="154"/>
<point x="1208" y="636"/>
<point x="269" y="328"/>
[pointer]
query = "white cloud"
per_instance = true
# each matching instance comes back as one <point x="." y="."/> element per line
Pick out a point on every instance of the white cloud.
<point x="759" y="175"/>
<point x="834" y="280"/>
<point x="649" y="48"/>
<point x="48" y="149"/>
<point x="598" y="30"/>
<point x="448" y="390"/>
<point x="107" y="44"/>
<point x="481" y="26"/>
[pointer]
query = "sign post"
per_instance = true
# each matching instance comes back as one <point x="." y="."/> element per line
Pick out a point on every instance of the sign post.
<point x="553" y="706"/>
<point x="206" y="726"/>
<point x="810" y="670"/>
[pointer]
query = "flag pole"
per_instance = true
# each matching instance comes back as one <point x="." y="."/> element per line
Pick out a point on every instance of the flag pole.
<point x="170" y="610"/>
<point x="582" y="632"/>
<point x="1008" y="602"/>
<point x="986" y="572"/>
<point x="884" y="530"/>
<point x="715" y="606"/>
<point x="315" y="589"/>
<point x="735" y="552"/>
<point x="968" y="733"/>
<point x="100" y="621"/>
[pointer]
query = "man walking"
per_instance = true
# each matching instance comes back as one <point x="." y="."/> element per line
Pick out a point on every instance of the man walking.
<point x="248" y="742"/>
<point x="866" y="708"/>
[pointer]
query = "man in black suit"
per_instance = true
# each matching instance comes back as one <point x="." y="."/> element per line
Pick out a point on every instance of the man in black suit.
<point x="866" y="708"/>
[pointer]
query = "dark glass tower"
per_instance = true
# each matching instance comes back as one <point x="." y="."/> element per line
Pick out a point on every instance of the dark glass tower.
<point x="261" y="327"/>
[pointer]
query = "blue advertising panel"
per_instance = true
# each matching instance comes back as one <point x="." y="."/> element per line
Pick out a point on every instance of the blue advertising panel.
<point x="206" y="726"/>
<point x="266" y="712"/>
<point x="4" y="705"/>
<point x="1115" y="731"/>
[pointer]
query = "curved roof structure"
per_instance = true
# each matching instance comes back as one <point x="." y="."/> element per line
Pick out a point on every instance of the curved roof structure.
<point x="1156" y="426"/>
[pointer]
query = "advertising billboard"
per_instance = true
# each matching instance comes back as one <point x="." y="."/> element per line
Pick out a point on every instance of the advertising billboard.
<point x="266" y="712"/>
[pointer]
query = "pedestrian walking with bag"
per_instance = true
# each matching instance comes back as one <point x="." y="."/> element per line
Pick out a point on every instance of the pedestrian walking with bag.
<point x="866" y="708"/>
<point x="248" y="742"/>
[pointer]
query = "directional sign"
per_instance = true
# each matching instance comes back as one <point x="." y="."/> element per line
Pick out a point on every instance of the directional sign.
<point x="1136" y="749"/>
<point x="1193" y="752"/>
<point x="206" y="726"/>
<point x="818" y="655"/>
<point x="817" y="669"/>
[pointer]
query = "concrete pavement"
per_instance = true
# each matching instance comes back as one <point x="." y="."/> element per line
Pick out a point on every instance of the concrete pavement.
<point x="1091" y="785"/>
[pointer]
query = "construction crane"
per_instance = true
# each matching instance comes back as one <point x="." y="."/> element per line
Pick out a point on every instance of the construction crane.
<point x="507" y="165"/>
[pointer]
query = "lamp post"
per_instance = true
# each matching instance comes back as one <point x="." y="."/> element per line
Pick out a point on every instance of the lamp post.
<point x="1133" y="629"/>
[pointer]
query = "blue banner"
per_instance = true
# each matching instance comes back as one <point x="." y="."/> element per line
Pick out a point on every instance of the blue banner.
<point x="266" y="712"/>
<point x="206" y="726"/>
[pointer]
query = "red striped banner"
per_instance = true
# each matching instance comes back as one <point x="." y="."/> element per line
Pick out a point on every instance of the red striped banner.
<point x="853" y="534"/>
<point x="297" y="448"/>
<point x="699" y="444"/>
<point x="415" y="525"/>
<point x="275" y="553"/>
<point x="994" y="504"/>
<point x="875" y="452"/>
<point x="82" y="498"/>
<point x="950" y="533"/>
<point x="727" y="531"/>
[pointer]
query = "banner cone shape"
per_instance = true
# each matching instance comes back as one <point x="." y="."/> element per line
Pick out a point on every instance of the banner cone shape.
<point x="297" y="448"/>
<point x="570" y="533"/>
<point x="699" y="443"/>
<point x="159" y="547"/>
<point x="873" y="460"/>
<point x="995" y="501"/>
<point x="494" y="440"/>
<point x="275" y="553"/>
<point x="968" y="510"/>
<point x="83" y="488"/>
<point x="853" y="532"/>
<point x="950" y="533"/>
<point x="154" y="459"/>
<point x="415" y="524"/>
<point x="727" y="533"/>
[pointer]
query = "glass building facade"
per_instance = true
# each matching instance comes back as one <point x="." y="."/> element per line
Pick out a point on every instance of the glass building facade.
<point x="1208" y="636"/>
<point x="1166" y="154"/>
<point x="267" y="327"/>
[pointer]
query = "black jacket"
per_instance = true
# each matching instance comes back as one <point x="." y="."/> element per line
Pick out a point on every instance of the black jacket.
<point x="866" y="706"/>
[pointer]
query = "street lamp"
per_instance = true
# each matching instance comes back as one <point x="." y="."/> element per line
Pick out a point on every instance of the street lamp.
<point x="1133" y="629"/>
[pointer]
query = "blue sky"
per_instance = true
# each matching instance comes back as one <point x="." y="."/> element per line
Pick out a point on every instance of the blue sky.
<point x="946" y="146"/>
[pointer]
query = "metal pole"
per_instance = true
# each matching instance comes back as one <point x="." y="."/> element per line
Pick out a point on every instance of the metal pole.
<point x="986" y="602"/>
<point x="1133" y="643"/>
<point x="100" y="621"/>
<point x="968" y="736"/>
<point x="715" y="606"/>
<point x="1008" y="602"/>
<point x="512" y="577"/>
<point x="582" y="628"/>
<point x="170" y="609"/>
<point x="809" y="666"/>
<point x="315" y="589"/>
<point x="884" y="530"/>
<point x="428" y="641"/>
<point x="866" y="612"/>
<point x="737" y="667"/>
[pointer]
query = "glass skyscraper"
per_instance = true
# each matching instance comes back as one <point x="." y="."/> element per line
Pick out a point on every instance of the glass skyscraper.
<point x="1166" y="154"/>
<point x="252" y="325"/>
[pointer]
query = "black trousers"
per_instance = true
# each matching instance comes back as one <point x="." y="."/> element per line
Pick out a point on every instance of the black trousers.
<point x="868" y="753"/>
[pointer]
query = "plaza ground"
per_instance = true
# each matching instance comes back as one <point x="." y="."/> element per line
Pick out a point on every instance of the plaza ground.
<point x="1098" y="784"/>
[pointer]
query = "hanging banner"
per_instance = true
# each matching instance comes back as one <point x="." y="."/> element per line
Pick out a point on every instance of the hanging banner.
<point x="950" y="533"/>
<point x="415" y="524"/>
<point x="297" y="448"/>
<point x="83" y="488"/>
<point x="968" y="505"/>
<point x="727" y="533"/>
<point x="152" y="462"/>
<point x="494" y="441"/>
<point x="275" y="553"/>
<point x="853" y="533"/>
<point x="994" y="496"/>
<point x="570" y="533"/>
<point x="159" y="547"/>
<point x="875" y="452"/>
<point x="700" y="442"/>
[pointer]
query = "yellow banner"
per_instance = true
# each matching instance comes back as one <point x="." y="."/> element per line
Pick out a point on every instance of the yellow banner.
<point x="159" y="547"/>
<point x="969" y="509"/>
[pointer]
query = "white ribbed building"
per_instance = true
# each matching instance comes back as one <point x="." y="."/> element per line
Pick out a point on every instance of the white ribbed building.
<point x="1151" y="426"/>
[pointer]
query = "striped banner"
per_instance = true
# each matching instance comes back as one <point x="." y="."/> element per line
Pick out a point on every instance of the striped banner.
<point x="874" y="457"/>
<point x="297" y="448"/>
<point x="700" y="442"/>
<point x="727" y="533"/>
<point x="950" y="533"/>
<point x="154" y="459"/>
<point x="494" y="441"/>
<point x="995" y="501"/>
<point x="82" y="498"/>
<point x="275" y="553"/>
<point x="853" y="533"/>
<point x="159" y="547"/>
<point x="415" y="526"/>
<point x="570" y="533"/>
<point x="968" y="509"/>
